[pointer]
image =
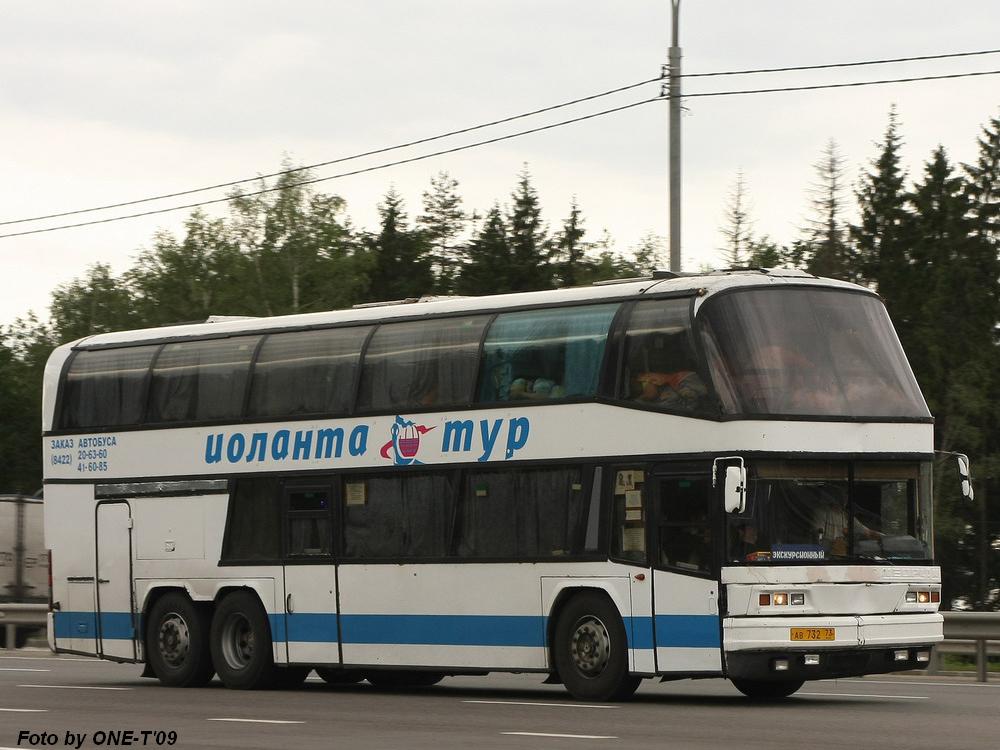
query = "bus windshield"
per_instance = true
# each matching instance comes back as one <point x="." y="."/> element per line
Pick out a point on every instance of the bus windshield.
<point x="802" y="511"/>
<point x="808" y="352"/>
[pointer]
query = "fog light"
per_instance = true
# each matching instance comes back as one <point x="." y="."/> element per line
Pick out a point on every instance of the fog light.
<point x="923" y="655"/>
<point x="903" y="655"/>
<point x="923" y="596"/>
<point x="935" y="597"/>
<point x="811" y="660"/>
<point x="764" y="600"/>
<point x="780" y="599"/>
<point x="780" y="665"/>
<point x="911" y="596"/>
<point x="797" y="599"/>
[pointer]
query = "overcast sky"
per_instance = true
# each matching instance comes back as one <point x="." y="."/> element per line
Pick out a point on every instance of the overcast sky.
<point x="107" y="101"/>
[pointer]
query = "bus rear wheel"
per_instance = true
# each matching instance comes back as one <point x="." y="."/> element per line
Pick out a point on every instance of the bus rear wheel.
<point x="241" y="643"/>
<point x="177" y="646"/>
<point x="767" y="690"/>
<point x="591" y="650"/>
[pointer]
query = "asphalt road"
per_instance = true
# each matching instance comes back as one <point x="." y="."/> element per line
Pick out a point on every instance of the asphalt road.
<point x="43" y="693"/>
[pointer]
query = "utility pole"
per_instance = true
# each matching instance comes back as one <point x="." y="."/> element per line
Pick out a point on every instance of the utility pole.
<point x="675" y="142"/>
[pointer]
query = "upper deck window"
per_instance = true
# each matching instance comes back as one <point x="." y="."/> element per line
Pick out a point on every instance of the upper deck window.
<point x="306" y="372"/>
<point x="201" y="380"/>
<point x="545" y="354"/>
<point x="808" y="352"/>
<point x="106" y="387"/>
<point x="661" y="368"/>
<point x="421" y="364"/>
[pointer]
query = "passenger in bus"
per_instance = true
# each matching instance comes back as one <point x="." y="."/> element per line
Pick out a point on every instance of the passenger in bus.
<point x="662" y="373"/>
<point x="537" y="389"/>
<point x="745" y="548"/>
<point x="680" y="390"/>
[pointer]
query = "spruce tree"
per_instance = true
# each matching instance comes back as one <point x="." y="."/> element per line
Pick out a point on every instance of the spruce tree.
<point x="738" y="225"/>
<point x="983" y="183"/>
<point x="442" y="221"/>
<point x="953" y="350"/>
<point x="826" y="250"/>
<point x="488" y="267"/>
<point x="572" y="266"/>
<point x="528" y="244"/>
<point x="879" y="236"/>
<point x="399" y="257"/>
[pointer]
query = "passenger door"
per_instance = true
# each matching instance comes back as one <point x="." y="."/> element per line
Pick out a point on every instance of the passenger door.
<point x="687" y="627"/>
<point x="116" y="631"/>
<point x="311" y="626"/>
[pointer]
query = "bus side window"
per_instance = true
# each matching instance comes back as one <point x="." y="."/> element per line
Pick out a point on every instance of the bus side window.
<point x="542" y="355"/>
<point x="309" y="528"/>
<point x="421" y="364"/>
<point x="628" y="536"/>
<point x="661" y="369"/>
<point x="685" y="530"/>
<point x="253" y="525"/>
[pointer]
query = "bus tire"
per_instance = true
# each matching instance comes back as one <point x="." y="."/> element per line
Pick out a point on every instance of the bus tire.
<point x="333" y="676"/>
<point x="177" y="641"/>
<point x="389" y="679"/>
<point x="767" y="690"/>
<point x="241" y="643"/>
<point x="591" y="649"/>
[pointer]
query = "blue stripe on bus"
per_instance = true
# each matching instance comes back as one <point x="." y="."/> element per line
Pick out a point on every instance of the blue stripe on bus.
<point x="639" y="631"/>
<point x="115" y="626"/>
<point x="672" y="631"/>
<point x="687" y="631"/>
<point x="445" y="630"/>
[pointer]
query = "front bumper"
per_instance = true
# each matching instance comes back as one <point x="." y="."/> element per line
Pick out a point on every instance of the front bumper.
<point x="852" y="632"/>
<point x="759" y="665"/>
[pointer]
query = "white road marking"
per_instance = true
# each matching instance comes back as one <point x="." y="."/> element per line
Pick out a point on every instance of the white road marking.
<point x="870" y="695"/>
<point x="22" y="669"/>
<point x="74" y="687"/>
<point x="566" y="736"/>
<point x="524" y="703"/>
<point x="26" y="710"/>
<point x="921" y="683"/>
<point x="51" y="658"/>
<point x="260" y="721"/>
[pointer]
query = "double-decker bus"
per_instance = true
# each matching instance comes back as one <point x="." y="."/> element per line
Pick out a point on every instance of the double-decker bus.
<point x="684" y="476"/>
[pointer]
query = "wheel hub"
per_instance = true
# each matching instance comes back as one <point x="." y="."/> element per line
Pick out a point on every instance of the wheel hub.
<point x="174" y="639"/>
<point x="590" y="646"/>
<point x="237" y="641"/>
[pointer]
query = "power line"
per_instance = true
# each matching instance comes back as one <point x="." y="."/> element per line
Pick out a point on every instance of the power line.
<point x="338" y="160"/>
<point x="340" y="175"/>
<point x="852" y="84"/>
<point x="840" y="65"/>
<point x="497" y="139"/>
<point x="460" y="131"/>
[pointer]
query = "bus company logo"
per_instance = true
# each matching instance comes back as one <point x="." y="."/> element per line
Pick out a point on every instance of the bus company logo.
<point x="405" y="443"/>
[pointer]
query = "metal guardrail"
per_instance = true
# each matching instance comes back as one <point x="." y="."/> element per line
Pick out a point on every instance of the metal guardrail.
<point x="969" y="633"/>
<point x="14" y="614"/>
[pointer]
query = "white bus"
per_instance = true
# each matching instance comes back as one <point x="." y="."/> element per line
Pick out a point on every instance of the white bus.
<point x="719" y="475"/>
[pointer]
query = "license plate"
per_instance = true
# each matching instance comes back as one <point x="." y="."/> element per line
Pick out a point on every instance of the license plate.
<point x="814" y="634"/>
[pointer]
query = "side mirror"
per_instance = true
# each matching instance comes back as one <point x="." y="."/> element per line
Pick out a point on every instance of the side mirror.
<point x="965" y="475"/>
<point x="734" y="490"/>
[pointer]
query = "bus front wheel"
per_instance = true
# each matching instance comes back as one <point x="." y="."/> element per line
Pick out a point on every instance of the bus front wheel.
<point x="241" y="643"/>
<point x="767" y="690"/>
<point x="591" y="649"/>
<point x="177" y="642"/>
